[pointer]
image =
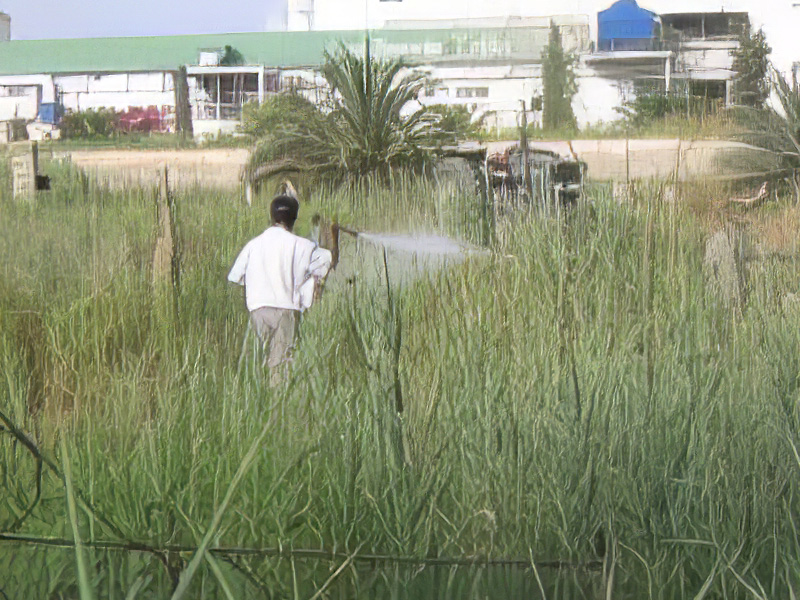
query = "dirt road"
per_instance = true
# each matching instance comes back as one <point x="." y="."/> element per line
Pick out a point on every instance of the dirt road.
<point x="607" y="160"/>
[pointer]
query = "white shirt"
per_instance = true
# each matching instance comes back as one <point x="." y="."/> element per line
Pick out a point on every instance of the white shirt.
<point x="278" y="269"/>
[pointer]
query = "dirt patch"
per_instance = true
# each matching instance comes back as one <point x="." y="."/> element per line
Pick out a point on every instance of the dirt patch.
<point x="215" y="168"/>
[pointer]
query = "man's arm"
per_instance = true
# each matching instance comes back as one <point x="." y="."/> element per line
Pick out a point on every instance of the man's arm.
<point x="239" y="268"/>
<point x="315" y="272"/>
<point x="320" y="263"/>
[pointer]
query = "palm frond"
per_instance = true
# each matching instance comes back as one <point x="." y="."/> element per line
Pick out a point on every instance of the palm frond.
<point x="364" y="128"/>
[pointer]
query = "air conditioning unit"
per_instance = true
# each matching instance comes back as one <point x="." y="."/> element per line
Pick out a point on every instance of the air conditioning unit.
<point x="209" y="58"/>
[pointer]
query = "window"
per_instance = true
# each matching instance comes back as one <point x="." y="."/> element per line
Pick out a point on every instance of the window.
<point x="472" y="92"/>
<point x="432" y="91"/>
<point x="16" y="91"/>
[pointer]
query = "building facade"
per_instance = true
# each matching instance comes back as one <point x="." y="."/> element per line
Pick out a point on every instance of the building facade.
<point x="485" y="56"/>
<point x="780" y="19"/>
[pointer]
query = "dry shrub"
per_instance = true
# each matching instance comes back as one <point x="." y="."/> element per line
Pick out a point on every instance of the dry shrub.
<point x="778" y="231"/>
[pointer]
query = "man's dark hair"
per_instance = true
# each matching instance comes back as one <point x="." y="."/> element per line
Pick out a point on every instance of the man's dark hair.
<point x="284" y="210"/>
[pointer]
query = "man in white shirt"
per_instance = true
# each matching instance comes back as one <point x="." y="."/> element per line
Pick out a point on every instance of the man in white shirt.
<point x="279" y="271"/>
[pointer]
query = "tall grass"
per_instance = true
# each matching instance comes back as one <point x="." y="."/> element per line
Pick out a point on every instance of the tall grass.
<point x="575" y="395"/>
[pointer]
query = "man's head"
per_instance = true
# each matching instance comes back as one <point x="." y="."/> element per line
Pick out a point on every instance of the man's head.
<point x="284" y="211"/>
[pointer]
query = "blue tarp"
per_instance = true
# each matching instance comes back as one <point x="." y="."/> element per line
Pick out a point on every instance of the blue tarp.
<point x="627" y="26"/>
<point x="50" y="112"/>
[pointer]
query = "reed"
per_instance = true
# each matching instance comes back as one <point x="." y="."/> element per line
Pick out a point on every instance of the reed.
<point x="575" y="395"/>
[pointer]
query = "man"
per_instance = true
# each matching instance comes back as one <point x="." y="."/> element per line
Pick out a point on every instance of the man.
<point x="279" y="270"/>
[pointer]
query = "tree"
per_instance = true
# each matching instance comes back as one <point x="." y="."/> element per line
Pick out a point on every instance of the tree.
<point x="558" y="78"/>
<point x="231" y="57"/>
<point x="751" y="65"/>
<point x="361" y="129"/>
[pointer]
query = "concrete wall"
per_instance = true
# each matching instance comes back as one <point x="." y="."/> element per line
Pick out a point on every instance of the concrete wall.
<point x="20" y="95"/>
<point x="212" y="128"/>
<point x="597" y="99"/>
<point x="45" y="82"/>
<point x="506" y="87"/>
<point x="709" y="55"/>
<point x="19" y="102"/>
<point x="119" y="90"/>
<point x="80" y="92"/>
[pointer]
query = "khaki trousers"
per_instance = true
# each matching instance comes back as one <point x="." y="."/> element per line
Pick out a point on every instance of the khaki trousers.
<point x="276" y="328"/>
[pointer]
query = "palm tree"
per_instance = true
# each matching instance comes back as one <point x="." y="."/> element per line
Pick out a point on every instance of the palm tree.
<point x="775" y="128"/>
<point x="789" y="97"/>
<point x="361" y="129"/>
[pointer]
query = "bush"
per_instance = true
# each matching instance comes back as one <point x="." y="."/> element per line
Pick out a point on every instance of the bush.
<point x="91" y="123"/>
<point x="655" y="106"/>
<point x="456" y="124"/>
<point x="277" y="110"/>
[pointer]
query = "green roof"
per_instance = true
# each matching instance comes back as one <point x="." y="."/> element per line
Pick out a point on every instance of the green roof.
<point x="98" y="55"/>
<point x="274" y="49"/>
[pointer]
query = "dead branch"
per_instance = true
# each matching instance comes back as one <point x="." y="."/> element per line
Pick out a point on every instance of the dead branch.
<point x="31" y="446"/>
<point x="753" y="201"/>
<point x="308" y="554"/>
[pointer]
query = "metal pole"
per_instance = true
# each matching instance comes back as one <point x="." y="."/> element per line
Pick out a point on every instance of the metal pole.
<point x="219" y="94"/>
<point x="523" y="142"/>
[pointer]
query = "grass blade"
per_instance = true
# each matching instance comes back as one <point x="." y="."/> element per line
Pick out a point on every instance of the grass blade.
<point x="138" y="585"/>
<point x="84" y="586"/>
<point x="226" y="588"/>
<point x="248" y="460"/>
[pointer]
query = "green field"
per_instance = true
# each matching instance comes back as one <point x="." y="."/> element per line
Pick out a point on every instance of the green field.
<point x="581" y="417"/>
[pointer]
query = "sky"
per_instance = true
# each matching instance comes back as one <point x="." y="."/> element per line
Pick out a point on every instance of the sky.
<point x="42" y="19"/>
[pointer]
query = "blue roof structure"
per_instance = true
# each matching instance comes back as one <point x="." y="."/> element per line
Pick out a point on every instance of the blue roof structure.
<point x="627" y="26"/>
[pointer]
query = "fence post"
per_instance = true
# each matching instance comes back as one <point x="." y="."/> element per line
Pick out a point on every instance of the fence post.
<point x="25" y="167"/>
<point x="166" y="256"/>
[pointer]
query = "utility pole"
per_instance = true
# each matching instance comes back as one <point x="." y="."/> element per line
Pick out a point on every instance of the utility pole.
<point x="523" y="142"/>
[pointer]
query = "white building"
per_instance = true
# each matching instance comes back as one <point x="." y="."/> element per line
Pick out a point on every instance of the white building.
<point x="486" y="55"/>
<point x="780" y="19"/>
